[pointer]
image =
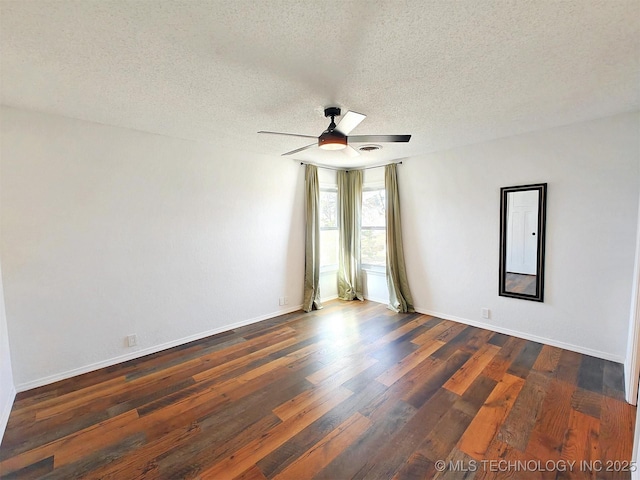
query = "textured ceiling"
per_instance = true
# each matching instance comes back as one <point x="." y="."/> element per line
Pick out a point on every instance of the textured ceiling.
<point x="450" y="73"/>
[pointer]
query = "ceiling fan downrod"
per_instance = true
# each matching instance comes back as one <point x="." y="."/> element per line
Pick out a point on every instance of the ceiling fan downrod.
<point x="330" y="138"/>
<point x="332" y="112"/>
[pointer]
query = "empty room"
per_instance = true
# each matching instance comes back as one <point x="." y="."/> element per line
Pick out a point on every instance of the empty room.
<point x="294" y="239"/>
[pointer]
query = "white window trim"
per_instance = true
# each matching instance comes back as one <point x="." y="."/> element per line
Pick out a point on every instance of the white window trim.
<point x="333" y="268"/>
<point x="380" y="270"/>
<point x="369" y="267"/>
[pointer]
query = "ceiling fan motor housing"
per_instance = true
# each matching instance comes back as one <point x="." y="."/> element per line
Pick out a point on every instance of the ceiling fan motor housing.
<point x="332" y="140"/>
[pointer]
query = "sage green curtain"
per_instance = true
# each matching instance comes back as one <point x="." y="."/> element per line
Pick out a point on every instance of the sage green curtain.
<point x="400" y="299"/>
<point x="350" y="212"/>
<point x="312" y="240"/>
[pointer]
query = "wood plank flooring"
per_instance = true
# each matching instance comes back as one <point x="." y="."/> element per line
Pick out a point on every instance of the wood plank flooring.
<point x="520" y="283"/>
<point x="350" y="391"/>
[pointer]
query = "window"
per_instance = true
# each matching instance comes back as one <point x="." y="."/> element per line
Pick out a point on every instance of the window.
<point x="373" y="229"/>
<point x="328" y="229"/>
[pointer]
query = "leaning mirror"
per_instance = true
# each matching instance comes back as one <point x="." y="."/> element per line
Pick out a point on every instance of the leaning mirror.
<point x="522" y="229"/>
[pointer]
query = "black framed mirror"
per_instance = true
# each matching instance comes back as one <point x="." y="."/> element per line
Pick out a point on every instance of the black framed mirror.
<point x="523" y="211"/>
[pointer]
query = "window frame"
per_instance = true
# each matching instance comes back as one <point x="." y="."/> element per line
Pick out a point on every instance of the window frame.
<point x="331" y="268"/>
<point x="371" y="267"/>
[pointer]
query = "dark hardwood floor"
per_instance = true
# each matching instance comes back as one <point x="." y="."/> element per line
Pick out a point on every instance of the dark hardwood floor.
<point x="519" y="283"/>
<point x="351" y="391"/>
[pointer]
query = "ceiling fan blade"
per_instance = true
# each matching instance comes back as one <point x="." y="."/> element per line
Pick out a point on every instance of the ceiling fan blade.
<point x="350" y="121"/>
<point x="378" y="138"/>
<point x="301" y="149"/>
<point x="351" y="152"/>
<point x="289" y="134"/>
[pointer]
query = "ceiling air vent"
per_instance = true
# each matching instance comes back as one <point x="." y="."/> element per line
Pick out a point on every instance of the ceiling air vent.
<point x="369" y="148"/>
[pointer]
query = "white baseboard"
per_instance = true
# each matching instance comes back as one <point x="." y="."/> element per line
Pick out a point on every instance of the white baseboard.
<point x="525" y="336"/>
<point x="328" y="299"/>
<point x="371" y="299"/>
<point x="147" y="351"/>
<point x="4" y="418"/>
<point x="377" y="300"/>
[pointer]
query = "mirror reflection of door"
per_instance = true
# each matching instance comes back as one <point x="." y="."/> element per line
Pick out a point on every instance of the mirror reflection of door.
<point x="522" y="244"/>
<point x="522" y="241"/>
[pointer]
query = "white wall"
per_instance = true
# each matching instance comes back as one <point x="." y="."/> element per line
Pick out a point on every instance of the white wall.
<point x="7" y="388"/>
<point x="632" y="360"/>
<point x="450" y="208"/>
<point x="108" y="232"/>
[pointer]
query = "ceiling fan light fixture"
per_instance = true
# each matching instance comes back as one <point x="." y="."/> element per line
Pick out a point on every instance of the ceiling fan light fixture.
<point x="332" y="145"/>
<point x="332" y="141"/>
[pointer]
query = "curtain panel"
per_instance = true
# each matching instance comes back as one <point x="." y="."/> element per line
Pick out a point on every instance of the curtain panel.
<point x="350" y="212"/>
<point x="400" y="299"/>
<point x="312" y="240"/>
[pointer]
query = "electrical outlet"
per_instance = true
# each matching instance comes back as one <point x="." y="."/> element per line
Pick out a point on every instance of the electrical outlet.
<point x="486" y="313"/>
<point x="281" y="301"/>
<point x="286" y="300"/>
<point x="132" y="340"/>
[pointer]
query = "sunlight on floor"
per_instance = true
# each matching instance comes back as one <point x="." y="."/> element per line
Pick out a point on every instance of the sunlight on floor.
<point x="339" y="330"/>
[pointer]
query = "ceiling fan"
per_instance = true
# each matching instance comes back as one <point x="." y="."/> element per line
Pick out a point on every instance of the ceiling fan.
<point x="336" y="137"/>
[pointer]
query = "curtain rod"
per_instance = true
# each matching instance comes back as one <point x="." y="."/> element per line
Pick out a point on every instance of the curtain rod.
<point x="347" y="169"/>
